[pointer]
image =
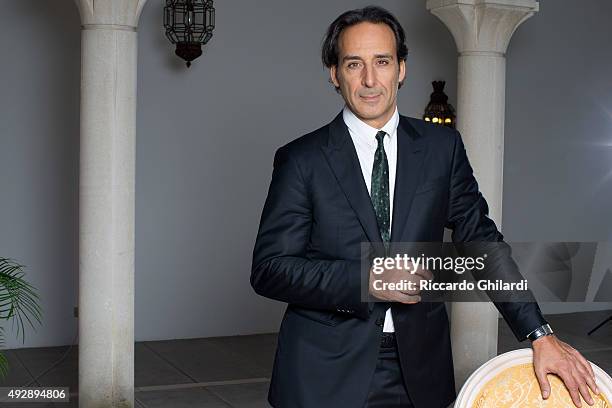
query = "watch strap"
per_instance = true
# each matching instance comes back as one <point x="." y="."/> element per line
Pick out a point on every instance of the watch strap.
<point x="544" y="330"/>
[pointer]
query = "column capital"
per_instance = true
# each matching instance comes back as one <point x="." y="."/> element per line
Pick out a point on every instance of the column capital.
<point x="482" y="26"/>
<point x="116" y="14"/>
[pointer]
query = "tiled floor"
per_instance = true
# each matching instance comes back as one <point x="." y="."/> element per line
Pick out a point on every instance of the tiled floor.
<point x="225" y="372"/>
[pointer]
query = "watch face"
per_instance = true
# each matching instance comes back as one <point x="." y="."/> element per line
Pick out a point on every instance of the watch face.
<point x="540" y="332"/>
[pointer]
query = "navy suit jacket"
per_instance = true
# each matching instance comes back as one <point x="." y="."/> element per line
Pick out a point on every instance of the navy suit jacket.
<point x="308" y="254"/>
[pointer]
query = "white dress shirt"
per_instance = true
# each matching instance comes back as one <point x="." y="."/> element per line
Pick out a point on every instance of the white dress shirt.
<point x="364" y="139"/>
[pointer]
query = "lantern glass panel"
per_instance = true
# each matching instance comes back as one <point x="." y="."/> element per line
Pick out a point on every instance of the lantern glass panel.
<point x="210" y="17"/>
<point x="189" y="18"/>
<point x="199" y="18"/>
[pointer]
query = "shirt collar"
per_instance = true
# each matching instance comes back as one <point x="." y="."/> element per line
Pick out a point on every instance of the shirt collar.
<point x="358" y="127"/>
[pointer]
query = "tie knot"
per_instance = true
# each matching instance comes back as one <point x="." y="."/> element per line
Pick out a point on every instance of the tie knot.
<point x="380" y="136"/>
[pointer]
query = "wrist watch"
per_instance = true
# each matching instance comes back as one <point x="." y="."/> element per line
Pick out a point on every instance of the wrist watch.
<point x="544" y="330"/>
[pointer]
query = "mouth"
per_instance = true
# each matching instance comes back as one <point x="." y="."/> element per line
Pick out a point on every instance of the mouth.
<point x="370" y="98"/>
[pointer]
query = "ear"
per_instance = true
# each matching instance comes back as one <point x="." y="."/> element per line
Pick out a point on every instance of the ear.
<point x="333" y="75"/>
<point x="402" y="71"/>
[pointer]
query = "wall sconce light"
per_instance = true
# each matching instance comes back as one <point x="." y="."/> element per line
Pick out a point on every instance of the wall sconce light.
<point x="189" y="24"/>
<point x="439" y="111"/>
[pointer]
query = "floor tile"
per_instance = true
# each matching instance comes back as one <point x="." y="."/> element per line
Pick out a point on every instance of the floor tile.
<point x="603" y="359"/>
<point x="206" y="360"/>
<point x="17" y="374"/>
<point x="74" y="403"/>
<point x="151" y="369"/>
<point x="181" y="398"/>
<point x="258" y="348"/>
<point x="38" y="360"/>
<point x="251" y="395"/>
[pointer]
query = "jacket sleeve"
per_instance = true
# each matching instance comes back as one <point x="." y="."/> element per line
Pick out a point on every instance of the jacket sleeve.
<point x="470" y="224"/>
<point x="281" y="269"/>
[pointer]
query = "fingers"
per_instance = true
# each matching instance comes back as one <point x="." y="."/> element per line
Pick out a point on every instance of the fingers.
<point x="544" y="384"/>
<point x="572" y="387"/>
<point x="584" y="391"/>
<point x="557" y="357"/>
<point x="407" y="298"/>
<point x="424" y="273"/>
<point x="411" y="292"/>
<point x="586" y="377"/>
<point x="583" y="366"/>
<point x="576" y="387"/>
<point x="590" y="374"/>
<point x="592" y="385"/>
<point x="576" y="384"/>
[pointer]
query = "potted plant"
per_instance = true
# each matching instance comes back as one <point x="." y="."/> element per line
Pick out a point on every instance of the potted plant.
<point x="18" y="302"/>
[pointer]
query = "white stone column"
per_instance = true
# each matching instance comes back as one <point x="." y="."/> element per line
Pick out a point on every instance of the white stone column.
<point x="106" y="211"/>
<point x="482" y="30"/>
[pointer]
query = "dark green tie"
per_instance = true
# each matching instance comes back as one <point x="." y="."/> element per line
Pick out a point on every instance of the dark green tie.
<point x="380" y="188"/>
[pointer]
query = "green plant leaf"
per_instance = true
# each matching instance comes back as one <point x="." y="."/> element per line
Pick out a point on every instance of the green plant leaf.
<point x="18" y="298"/>
<point x="3" y="360"/>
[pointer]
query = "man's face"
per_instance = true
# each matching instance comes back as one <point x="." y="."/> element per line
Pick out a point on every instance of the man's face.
<point x="368" y="72"/>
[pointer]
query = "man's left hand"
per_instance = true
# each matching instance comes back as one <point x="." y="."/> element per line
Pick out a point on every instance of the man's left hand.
<point x="552" y="356"/>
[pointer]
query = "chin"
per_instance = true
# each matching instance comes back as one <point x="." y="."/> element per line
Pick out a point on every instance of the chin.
<point x="367" y="110"/>
<point x="369" y="114"/>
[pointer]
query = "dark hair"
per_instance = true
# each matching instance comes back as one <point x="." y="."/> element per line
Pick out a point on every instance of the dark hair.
<point x="370" y="14"/>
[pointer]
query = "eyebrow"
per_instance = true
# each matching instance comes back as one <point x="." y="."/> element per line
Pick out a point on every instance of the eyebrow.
<point x="356" y="57"/>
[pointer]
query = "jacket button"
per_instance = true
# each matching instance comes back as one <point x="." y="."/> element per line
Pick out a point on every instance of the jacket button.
<point x="380" y="321"/>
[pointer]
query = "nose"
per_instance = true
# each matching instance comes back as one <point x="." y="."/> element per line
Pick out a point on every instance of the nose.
<point x="369" y="77"/>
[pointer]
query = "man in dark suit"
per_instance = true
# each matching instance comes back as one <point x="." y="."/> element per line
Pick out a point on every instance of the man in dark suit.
<point x="374" y="176"/>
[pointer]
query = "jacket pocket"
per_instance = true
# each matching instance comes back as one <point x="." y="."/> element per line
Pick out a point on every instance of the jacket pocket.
<point x="319" y="316"/>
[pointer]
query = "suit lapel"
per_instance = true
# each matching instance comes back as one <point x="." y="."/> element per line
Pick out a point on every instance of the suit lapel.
<point x="410" y="153"/>
<point x="342" y="158"/>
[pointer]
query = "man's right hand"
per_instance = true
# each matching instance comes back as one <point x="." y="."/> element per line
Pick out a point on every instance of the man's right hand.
<point x="379" y="290"/>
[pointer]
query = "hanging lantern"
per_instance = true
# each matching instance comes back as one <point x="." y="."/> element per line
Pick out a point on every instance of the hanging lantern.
<point x="439" y="111"/>
<point x="189" y="24"/>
